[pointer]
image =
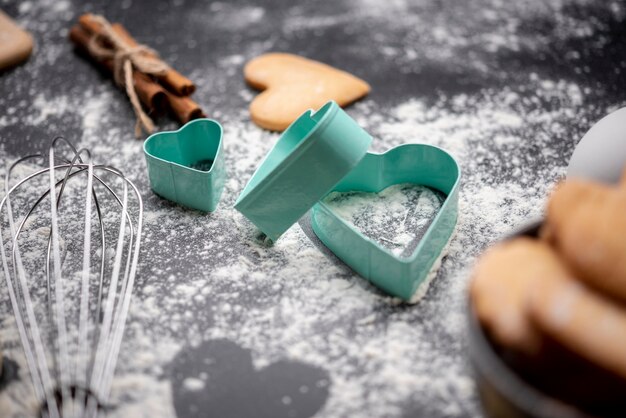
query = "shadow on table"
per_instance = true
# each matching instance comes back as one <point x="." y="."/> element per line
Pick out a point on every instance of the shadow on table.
<point x="217" y="378"/>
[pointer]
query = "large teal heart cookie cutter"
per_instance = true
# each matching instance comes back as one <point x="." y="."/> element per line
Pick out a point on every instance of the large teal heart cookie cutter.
<point x="420" y="164"/>
<point x="311" y="156"/>
<point x="326" y="151"/>
<point x="187" y="166"/>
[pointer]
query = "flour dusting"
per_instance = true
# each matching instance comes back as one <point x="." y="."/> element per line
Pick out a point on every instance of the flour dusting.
<point x="507" y="88"/>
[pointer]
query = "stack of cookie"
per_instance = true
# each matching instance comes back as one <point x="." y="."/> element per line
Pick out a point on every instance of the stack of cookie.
<point x="555" y="306"/>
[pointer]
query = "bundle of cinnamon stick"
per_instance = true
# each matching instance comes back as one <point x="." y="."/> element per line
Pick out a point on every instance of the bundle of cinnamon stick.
<point x="165" y="89"/>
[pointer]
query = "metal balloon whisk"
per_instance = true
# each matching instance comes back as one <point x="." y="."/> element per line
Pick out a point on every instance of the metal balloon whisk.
<point x="70" y="235"/>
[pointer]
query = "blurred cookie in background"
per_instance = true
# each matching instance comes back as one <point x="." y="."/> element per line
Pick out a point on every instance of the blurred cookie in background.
<point x="16" y="44"/>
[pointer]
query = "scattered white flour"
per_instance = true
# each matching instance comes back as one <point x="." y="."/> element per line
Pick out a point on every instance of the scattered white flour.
<point x="193" y="384"/>
<point x="205" y="276"/>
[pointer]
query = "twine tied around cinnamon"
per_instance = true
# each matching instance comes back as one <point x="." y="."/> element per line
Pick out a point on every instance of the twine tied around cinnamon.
<point x="125" y="58"/>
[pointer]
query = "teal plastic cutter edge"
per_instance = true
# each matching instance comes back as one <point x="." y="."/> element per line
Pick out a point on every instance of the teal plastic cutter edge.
<point x="170" y="155"/>
<point x="421" y="164"/>
<point x="314" y="153"/>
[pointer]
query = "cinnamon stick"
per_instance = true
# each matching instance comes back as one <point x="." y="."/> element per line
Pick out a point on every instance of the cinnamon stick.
<point x="184" y="108"/>
<point x="171" y="79"/>
<point x="151" y="94"/>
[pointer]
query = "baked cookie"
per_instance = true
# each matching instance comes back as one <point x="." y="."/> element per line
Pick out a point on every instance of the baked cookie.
<point x="293" y="85"/>
<point x="16" y="44"/>
<point x="583" y="321"/>
<point x="500" y="286"/>
<point x="586" y="223"/>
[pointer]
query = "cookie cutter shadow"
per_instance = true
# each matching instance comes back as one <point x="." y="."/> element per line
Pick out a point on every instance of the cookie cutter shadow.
<point x="227" y="385"/>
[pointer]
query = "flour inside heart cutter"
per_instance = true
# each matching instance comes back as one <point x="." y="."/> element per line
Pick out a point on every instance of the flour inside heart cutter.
<point x="418" y="164"/>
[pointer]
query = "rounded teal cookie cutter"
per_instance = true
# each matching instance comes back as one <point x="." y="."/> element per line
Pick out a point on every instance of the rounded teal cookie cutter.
<point x="421" y="164"/>
<point x="311" y="156"/>
<point x="187" y="166"/>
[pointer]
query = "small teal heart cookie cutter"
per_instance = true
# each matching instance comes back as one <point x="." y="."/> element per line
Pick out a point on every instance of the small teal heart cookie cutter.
<point x="420" y="164"/>
<point x="311" y="156"/>
<point x="187" y="166"/>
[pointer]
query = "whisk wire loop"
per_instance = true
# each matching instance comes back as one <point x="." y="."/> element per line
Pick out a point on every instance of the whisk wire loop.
<point x="83" y="322"/>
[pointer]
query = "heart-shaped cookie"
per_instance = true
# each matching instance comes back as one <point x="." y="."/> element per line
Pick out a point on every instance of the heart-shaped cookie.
<point x="187" y="166"/>
<point x="398" y="275"/>
<point x="293" y="85"/>
<point x="217" y="378"/>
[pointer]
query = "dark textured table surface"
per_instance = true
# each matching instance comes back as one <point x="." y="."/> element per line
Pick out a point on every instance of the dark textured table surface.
<point x="224" y="325"/>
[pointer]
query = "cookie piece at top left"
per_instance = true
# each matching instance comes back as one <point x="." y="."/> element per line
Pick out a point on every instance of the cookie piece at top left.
<point x="16" y="44"/>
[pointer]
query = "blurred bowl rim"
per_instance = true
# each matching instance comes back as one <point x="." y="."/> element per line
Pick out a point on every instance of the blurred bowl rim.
<point x="491" y="367"/>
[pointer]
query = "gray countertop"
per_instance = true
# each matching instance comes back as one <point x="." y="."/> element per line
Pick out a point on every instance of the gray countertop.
<point x="224" y="325"/>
